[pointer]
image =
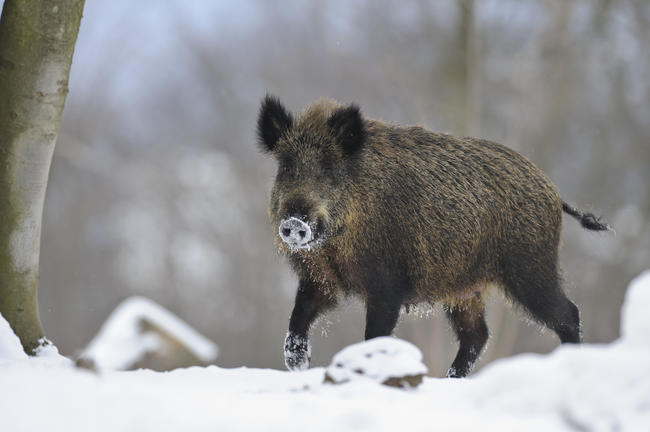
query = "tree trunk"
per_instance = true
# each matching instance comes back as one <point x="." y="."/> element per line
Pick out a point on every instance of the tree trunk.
<point x="469" y="67"/>
<point x="37" y="39"/>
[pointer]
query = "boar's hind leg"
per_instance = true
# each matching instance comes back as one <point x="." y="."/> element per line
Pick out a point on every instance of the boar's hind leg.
<point x="536" y="285"/>
<point x="468" y="321"/>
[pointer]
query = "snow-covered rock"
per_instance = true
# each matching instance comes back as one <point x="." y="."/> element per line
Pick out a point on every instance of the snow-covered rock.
<point x="139" y="327"/>
<point x="385" y="360"/>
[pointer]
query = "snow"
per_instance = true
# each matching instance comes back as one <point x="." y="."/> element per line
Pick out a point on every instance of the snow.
<point x="378" y="360"/>
<point x="10" y="347"/>
<point x="12" y="355"/>
<point x="120" y="343"/>
<point x="635" y="320"/>
<point x="586" y="387"/>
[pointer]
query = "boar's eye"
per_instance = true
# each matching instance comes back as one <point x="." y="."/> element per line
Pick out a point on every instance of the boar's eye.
<point x="287" y="168"/>
<point x="327" y="167"/>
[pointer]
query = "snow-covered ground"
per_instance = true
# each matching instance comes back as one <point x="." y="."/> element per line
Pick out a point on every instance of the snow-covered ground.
<point x="583" y="388"/>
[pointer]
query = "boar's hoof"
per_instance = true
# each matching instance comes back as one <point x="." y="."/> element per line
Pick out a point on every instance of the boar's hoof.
<point x="296" y="233"/>
<point x="297" y="352"/>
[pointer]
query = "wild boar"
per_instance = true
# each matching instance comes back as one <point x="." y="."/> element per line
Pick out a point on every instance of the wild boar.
<point x="400" y="215"/>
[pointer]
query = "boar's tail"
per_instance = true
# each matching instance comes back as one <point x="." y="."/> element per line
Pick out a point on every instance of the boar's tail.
<point x="587" y="220"/>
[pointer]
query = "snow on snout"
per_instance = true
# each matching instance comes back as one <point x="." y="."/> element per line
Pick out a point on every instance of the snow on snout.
<point x="296" y="233"/>
<point x="385" y="360"/>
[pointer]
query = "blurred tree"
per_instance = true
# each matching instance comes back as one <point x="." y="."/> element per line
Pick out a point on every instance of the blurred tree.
<point x="37" y="39"/>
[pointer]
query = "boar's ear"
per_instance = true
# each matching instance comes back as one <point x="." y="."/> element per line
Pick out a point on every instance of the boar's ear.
<point x="272" y="121"/>
<point x="347" y="126"/>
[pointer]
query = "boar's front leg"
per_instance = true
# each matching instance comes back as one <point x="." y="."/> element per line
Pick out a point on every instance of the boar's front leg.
<point x="385" y="293"/>
<point x="382" y="312"/>
<point x="310" y="303"/>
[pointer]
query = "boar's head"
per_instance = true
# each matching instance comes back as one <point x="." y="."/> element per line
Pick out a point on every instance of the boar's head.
<point x="318" y="159"/>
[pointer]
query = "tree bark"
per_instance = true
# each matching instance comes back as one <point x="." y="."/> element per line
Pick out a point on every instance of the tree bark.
<point x="469" y="67"/>
<point x="37" y="39"/>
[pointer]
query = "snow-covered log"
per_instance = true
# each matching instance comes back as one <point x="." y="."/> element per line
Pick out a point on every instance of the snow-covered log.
<point x="142" y="334"/>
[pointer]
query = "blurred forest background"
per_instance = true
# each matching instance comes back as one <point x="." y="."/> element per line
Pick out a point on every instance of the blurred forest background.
<point x="157" y="187"/>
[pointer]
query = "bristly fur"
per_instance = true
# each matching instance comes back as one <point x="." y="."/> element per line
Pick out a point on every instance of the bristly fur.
<point x="587" y="220"/>
<point x="405" y="215"/>
<point x="272" y="122"/>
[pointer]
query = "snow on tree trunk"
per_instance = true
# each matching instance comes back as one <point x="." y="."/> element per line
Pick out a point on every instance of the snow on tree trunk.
<point x="37" y="39"/>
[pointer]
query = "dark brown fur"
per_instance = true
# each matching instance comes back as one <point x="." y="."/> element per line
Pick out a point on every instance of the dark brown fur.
<point x="405" y="215"/>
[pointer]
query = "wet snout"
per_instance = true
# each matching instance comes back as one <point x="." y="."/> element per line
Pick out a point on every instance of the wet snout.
<point x="296" y="233"/>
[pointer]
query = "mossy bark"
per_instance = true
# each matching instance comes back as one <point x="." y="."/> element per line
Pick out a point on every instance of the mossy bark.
<point x="37" y="39"/>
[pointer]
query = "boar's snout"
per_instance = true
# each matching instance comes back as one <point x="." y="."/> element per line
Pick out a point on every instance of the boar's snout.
<point x="296" y="233"/>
